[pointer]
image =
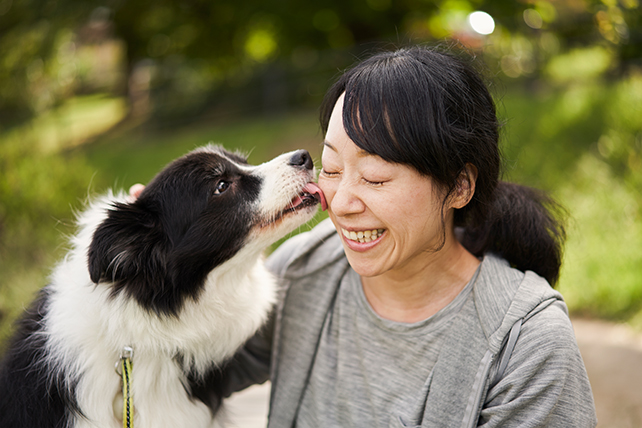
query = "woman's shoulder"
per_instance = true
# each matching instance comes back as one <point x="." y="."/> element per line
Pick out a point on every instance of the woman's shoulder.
<point x="504" y="295"/>
<point x="307" y="252"/>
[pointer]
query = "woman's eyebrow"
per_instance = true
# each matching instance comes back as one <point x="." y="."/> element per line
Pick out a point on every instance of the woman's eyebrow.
<point x="328" y="145"/>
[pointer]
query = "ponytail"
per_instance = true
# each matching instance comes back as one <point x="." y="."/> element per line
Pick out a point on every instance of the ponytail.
<point x="524" y="226"/>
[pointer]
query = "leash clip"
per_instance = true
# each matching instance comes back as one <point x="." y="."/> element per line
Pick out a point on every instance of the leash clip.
<point x="126" y="354"/>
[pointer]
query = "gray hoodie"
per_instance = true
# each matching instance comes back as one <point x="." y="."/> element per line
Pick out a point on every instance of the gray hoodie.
<point x="510" y="358"/>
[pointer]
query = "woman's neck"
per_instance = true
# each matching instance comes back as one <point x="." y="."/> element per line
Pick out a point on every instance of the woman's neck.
<point x="414" y="293"/>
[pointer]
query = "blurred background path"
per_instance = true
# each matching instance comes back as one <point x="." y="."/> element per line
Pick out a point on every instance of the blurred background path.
<point x="613" y="357"/>
<point x="612" y="354"/>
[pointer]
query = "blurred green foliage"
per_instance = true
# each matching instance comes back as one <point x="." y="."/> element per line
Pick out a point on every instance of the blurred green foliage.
<point x="583" y="143"/>
<point x="177" y="58"/>
<point x="103" y="94"/>
<point x="36" y="193"/>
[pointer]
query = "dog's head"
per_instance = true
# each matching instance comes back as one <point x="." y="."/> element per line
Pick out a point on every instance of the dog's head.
<point x="194" y="216"/>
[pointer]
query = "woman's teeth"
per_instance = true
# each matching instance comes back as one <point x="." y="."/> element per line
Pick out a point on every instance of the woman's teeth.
<point x="363" y="236"/>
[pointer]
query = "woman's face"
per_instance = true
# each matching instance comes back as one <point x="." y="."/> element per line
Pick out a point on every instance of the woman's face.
<point x="388" y="215"/>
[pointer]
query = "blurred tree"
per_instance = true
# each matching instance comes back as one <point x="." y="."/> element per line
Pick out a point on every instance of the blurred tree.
<point x="27" y="43"/>
<point x="182" y="50"/>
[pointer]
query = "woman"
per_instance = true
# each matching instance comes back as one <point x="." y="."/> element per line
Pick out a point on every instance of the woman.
<point x="432" y="305"/>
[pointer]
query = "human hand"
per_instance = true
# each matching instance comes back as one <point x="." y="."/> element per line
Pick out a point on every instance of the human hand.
<point x="135" y="191"/>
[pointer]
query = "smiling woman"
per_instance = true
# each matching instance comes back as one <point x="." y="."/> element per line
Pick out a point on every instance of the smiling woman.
<point x="411" y="219"/>
<point x="432" y="305"/>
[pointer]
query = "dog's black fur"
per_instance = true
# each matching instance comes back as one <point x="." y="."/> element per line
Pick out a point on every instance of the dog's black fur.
<point x="172" y="233"/>
<point x="151" y="258"/>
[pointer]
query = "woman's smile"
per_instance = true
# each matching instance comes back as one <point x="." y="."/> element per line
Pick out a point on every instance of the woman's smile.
<point x="362" y="240"/>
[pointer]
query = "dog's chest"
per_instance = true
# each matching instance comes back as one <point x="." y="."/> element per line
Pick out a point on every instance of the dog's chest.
<point x="87" y="328"/>
<point x="159" y="397"/>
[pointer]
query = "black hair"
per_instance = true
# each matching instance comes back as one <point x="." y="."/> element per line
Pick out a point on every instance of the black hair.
<point x="429" y="108"/>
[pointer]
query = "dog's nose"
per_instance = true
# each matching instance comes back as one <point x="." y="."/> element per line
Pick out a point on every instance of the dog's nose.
<point x="301" y="159"/>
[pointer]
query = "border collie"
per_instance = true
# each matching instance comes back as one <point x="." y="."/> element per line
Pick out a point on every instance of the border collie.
<point x="176" y="275"/>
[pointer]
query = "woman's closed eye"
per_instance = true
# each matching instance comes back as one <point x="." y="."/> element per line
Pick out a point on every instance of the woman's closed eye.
<point x="373" y="182"/>
<point x="329" y="173"/>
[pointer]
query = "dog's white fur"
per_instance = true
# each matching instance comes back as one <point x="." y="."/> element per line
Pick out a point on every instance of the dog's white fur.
<point x="87" y="328"/>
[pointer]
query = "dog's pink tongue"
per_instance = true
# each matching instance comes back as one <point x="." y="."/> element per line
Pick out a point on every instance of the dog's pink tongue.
<point x="316" y="191"/>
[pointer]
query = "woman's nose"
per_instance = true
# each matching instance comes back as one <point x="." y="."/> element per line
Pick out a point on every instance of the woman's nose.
<point x="345" y="201"/>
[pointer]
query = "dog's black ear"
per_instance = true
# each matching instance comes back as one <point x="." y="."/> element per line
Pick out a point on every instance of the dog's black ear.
<point x="124" y="244"/>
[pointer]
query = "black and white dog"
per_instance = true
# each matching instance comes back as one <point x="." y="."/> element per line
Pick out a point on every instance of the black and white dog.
<point x="177" y="275"/>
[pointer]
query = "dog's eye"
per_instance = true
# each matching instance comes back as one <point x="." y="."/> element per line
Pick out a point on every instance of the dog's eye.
<point x="221" y="187"/>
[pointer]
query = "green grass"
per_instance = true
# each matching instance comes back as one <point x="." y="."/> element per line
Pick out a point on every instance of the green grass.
<point x="137" y="157"/>
<point x="69" y="125"/>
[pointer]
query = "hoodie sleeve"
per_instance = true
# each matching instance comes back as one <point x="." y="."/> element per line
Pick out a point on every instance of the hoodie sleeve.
<point x="545" y="383"/>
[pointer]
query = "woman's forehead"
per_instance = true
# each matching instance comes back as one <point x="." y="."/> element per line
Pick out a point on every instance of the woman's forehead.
<point x="336" y="148"/>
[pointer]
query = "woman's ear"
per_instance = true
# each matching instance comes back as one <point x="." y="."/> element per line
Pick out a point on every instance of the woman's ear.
<point x="465" y="188"/>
